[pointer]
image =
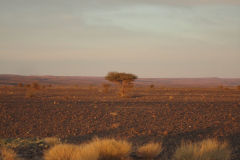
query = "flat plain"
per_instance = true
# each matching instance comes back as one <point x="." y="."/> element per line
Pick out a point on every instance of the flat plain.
<point x="78" y="114"/>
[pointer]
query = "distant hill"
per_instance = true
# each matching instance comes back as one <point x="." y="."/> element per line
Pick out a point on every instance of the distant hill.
<point x="81" y="80"/>
<point x="191" y="82"/>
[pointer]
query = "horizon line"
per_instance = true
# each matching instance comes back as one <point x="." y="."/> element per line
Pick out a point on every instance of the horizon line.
<point x="42" y="75"/>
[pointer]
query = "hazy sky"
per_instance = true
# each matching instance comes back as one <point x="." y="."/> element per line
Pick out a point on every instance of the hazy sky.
<point x="151" y="38"/>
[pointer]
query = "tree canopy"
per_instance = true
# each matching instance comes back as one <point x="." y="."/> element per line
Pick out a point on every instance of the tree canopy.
<point x="124" y="79"/>
<point x="120" y="77"/>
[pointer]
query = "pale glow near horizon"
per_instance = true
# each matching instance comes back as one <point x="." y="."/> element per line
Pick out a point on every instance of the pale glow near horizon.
<point x="148" y="39"/>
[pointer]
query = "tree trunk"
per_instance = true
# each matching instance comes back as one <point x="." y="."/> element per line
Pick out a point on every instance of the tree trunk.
<point x="122" y="90"/>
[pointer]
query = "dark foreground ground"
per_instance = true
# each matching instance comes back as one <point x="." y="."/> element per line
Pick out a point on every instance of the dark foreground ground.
<point x="78" y="114"/>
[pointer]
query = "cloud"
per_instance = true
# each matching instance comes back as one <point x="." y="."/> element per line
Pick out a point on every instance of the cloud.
<point x="86" y="4"/>
<point x="164" y="2"/>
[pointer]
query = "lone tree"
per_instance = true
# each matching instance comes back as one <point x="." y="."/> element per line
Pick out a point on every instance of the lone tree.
<point x="123" y="79"/>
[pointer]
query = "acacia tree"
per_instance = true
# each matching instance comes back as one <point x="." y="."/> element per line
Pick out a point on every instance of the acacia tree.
<point x="123" y="79"/>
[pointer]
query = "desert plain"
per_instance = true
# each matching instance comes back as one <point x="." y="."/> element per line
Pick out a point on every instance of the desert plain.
<point x="78" y="113"/>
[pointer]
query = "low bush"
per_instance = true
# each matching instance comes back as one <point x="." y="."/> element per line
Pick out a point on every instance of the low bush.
<point x="61" y="152"/>
<point x="209" y="149"/>
<point x="86" y="152"/>
<point x="149" y="151"/>
<point x="7" y="154"/>
<point x="111" y="149"/>
<point x="72" y="152"/>
<point x="36" y="86"/>
<point x="97" y="149"/>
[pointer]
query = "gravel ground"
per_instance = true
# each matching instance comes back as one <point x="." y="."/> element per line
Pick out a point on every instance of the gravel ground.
<point x="169" y="115"/>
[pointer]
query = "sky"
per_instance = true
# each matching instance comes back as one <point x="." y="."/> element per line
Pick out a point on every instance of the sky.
<point x="150" y="38"/>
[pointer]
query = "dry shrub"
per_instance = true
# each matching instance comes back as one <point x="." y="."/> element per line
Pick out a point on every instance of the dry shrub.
<point x="152" y="86"/>
<point x="212" y="149"/>
<point x="149" y="150"/>
<point x="27" y="86"/>
<point x="111" y="149"/>
<point x="72" y="152"/>
<point x="186" y="151"/>
<point x="86" y="152"/>
<point x="98" y="149"/>
<point x="52" y="141"/>
<point x="209" y="149"/>
<point x="7" y="154"/>
<point x="60" y="152"/>
<point x="36" y="86"/>
<point x="20" y="85"/>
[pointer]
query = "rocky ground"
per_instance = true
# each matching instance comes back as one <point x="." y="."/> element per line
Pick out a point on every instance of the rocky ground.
<point x="78" y="114"/>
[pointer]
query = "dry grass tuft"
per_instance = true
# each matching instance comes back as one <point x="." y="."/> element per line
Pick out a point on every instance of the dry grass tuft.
<point x="149" y="150"/>
<point x="60" y="152"/>
<point x="98" y="149"/>
<point x="209" y="149"/>
<point x="72" y="152"/>
<point x="52" y="141"/>
<point x="111" y="149"/>
<point x="86" y="152"/>
<point x="7" y="154"/>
